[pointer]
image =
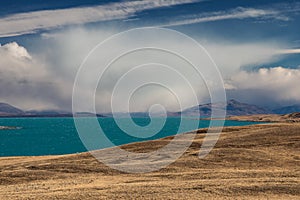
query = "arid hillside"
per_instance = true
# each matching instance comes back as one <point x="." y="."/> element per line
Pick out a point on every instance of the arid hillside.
<point x="251" y="162"/>
<point x="293" y="117"/>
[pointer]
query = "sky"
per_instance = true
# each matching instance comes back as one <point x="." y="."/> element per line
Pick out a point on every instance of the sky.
<point x="255" y="45"/>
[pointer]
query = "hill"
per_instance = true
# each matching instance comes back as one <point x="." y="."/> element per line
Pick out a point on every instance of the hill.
<point x="288" y="109"/>
<point x="9" y="110"/>
<point x="250" y="162"/>
<point x="234" y="108"/>
<point x="293" y="117"/>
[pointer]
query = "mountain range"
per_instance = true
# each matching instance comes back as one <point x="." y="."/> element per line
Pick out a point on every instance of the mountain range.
<point x="7" y="110"/>
<point x="287" y="109"/>
<point x="234" y="108"/>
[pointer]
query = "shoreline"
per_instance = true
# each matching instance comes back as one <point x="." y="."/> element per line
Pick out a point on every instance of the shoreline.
<point x="272" y="118"/>
<point x="199" y="131"/>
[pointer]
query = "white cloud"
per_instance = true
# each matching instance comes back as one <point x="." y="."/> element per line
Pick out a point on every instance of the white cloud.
<point x="29" y="82"/>
<point x="30" y="22"/>
<point x="15" y="50"/>
<point x="267" y="85"/>
<point x="289" y="51"/>
<point x="25" y="81"/>
<point x="231" y="57"/>
<point x="73" y="45"/>
<point x="237" y="13"/>
<point x="17" y="61"/>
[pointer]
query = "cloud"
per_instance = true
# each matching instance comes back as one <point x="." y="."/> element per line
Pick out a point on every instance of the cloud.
<point x="44" y="79"/>
<point x="74" y="44"/>
<point x="236" y="13"/>
<point x="231" y="57"/>
<point x="266" y="86"/>
<point x="25" y="81"/>
<point x="30" y="22"/>
<point x="289" y="51"/>
<point x="15" y="50"/>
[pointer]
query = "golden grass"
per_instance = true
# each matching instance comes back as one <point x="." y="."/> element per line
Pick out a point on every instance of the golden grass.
<point x="293" y="117"/>
<point x="251" y="162"/>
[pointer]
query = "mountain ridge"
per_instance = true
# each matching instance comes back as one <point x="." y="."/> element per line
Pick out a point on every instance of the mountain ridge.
<point x="287" y="109"/>
<point x="234" y="108"/>
<point x="7" y="109"/>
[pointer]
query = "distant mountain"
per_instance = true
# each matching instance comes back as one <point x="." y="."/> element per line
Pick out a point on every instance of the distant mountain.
<point x="234" y="108"/>
<point x="47" y="113"/>
<point x="133" y="114"/>
<point x="124" y="114"/>
<point x="58" y="113"/>
<point x="237" y="108"/>
<point x="287" y="109"/>
<point x="8" y="110"/>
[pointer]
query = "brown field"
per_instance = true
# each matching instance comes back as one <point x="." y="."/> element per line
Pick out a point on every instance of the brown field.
<point x="293" y="117"/>
<point x="251" y="162"/>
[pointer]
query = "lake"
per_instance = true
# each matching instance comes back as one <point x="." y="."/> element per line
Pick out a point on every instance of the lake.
<point x="55" y="136"/>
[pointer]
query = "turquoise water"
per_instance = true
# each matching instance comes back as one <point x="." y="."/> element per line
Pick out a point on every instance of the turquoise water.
<point x="54" y="136"/>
